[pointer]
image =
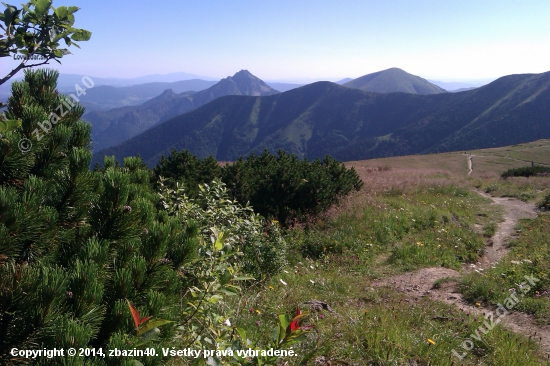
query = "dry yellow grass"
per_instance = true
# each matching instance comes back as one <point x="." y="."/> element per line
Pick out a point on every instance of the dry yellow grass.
<point x="487" y="163"/>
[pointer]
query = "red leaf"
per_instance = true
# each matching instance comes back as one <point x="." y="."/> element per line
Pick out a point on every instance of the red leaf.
<point x="144" y="320"/>
<point x="294" y="324"/>
<point x="135" y="314"/>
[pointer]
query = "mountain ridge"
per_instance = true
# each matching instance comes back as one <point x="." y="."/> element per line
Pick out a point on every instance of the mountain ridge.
<point x="351" y="124"/>
<point x="117" y="125"/>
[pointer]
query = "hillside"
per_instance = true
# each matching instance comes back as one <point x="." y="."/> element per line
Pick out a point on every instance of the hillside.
<point x="394" y="80"/>
<point x="485" y="162"/>
<point x="117" y="125"/>
<point x="350" y="124"/>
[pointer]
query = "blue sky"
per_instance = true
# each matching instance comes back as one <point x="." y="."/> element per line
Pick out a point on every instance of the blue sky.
<point x="301" y="40"/>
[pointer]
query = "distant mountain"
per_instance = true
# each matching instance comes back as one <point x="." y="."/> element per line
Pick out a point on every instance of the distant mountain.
<point x="283" y="87"/>
<point x="165" y="78"/>
<point x="350" y="124"/>
<point x="453" y="86"/>
<point x="394" y="80"/>
<point x="343" y="81"/>
<point x="117" y="125"/>
<point x="66" y="84"/>
<point x="461" y="90"/>
<point x="103" y="97"/>
<point x="69" y="80"/>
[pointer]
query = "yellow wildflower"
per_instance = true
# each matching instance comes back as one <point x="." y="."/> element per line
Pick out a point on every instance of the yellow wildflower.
<point x="431" y="342"/>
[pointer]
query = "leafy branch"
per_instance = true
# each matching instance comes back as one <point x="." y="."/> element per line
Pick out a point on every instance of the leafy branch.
<point x="36" y="29"/>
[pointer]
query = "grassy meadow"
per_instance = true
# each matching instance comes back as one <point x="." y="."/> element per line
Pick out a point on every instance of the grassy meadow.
<point x="413" y="212"/>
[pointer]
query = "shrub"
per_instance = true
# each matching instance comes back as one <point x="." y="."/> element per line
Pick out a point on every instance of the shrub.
<point x="544" y="204"/>
<point x="526" y="171"/>
<point x="76" y="244"/>
<point x="279" y="186"/>
<point x="188" y="170"/>
<point x="259" y="240"/>
<point x="287" y="189"/>
<point x="228" y="232"/>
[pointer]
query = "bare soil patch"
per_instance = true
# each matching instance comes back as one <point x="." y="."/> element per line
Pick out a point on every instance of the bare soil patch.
<point x="421" y="283"/>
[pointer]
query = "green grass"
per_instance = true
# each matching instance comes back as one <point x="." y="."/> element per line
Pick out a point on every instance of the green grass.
<point x="393" y="227"/>
<point x="375" y="326"/>
<point x="528" y="256"/>
<point x="490" y="229"/>
<point x="427" y="226"/>
<point x="438" y="283"/>
<point x="530" y="189"/>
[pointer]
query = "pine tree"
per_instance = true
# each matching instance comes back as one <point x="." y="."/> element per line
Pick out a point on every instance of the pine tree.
<point x="75" y="244"/>
<point x="283" y="187"/>
<point x="187" y="169"/>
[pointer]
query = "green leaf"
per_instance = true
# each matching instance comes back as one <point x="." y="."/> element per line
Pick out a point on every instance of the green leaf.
<point x="215" y="299"/>
<point x="242" y="278"/>
<point x="41" y="7"/>
<point x="61" y="12"/>
<point x="283" y="320"/>
<point x="276" y="334"/>
<point x="242" y="334"/>
<point x="218" y="244"/>
<point x="137" y="363"/>
<point x="225" y="277"/>
<point x="151" y="324"/>
<point x="9" y="125"/>
<point x="19" y="41"/>
<point x="229" y="291"/>
<point x="9" y="15"/>
<point x="70" y="18"/>
<point x="81" y="35"/>
<point x="73" y="9"/>
<point x="60" y="35"/>
<point x="58" y="53"/>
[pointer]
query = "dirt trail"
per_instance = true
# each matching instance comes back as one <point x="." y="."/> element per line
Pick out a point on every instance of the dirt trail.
<point x="420" y="283"/>
<point x="470" y="169"/>
<point x="514" y="211"/>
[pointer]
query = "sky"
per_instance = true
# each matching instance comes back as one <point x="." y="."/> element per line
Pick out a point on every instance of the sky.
<point x="298" y="41"/>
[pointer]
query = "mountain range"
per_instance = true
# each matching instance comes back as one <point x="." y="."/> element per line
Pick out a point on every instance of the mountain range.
<point x="66" y="84"/>
<point x="106" y="97"/>
<point x="351" y="124"/>
<point x="117" y="125"/>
